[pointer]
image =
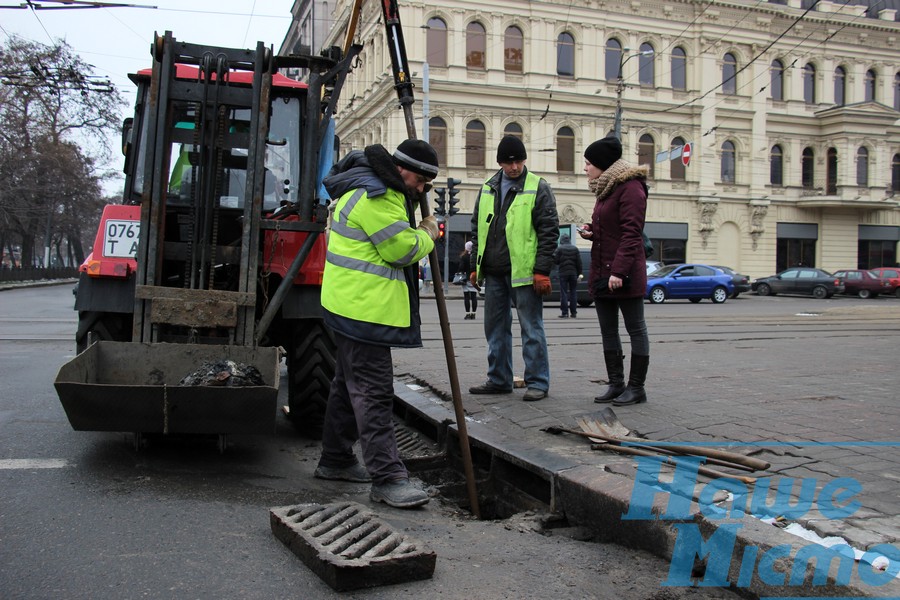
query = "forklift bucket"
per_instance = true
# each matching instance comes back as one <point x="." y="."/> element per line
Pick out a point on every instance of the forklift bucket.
<point x="134" y="387"/>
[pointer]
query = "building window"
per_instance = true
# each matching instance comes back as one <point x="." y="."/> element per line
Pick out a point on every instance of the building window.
<point x="897" y="91"/>
<point x="862" y="167"/>
<point x="437" y="137"/>
<point x="790" y="252"/>
<point x="646" y="68"/>
<point x="613" y="59"/>
<point x="565" y="150"/>
<point x="676" y="166"/>
<point x="679" y="69"/>
<point x="513" y="50"/>
<point x="513" y="129"/>
<point x="876" y="253"/>
<point x="895" y="174"/>
<point x="776" y="72"/>
<point x="565" y="55"/>
<point x="831" y="167"/>
<point x="871" y="81"/>
<point x="475" y="144"/>
<point x="476" y="42"/>
<point x="647" y="152"/>
<point x="436" y="43"/>
<point x="840" y="86"/>
<point x="776" y="166"/>
<point x="728" y="162"/>
<point x="809" y="83"/>
<point x="807" y="169"/>
<point x="729" y="74"/>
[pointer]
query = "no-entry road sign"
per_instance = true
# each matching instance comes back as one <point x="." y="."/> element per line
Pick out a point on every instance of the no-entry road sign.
<point x="686" y="155"/>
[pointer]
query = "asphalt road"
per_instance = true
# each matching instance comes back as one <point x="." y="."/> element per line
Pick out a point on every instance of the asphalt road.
<point x="82" y="515"/>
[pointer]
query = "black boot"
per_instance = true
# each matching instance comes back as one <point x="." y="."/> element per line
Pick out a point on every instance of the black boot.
<point x="634" y="393"/>
<point x="615" y="372"/>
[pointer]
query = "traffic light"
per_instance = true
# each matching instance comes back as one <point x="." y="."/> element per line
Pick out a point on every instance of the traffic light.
<point x="441" y="202"/>
<point x="442" y="226"/>
<point x="452" y="192"/>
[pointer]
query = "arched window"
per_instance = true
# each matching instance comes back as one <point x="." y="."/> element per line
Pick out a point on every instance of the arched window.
<point x="565" y="150"/>
<point x="897" y="91"/>
<point x="895" y="174"/>
<point x="647" y="152"/>
<point x="728" y="162"/>
<point x="513" y="50"/>
<point x="729" y="74"/>
<point x="679" y="69"/>
<point x="831" y="167"/>
<point x="513" y="129"/>
<point x="613" y="58"/>
<point x="862" y="167"/>
<point x="840" y="86"/>
<point x="809" y="83"/>
<point x="646" y="68"/>
<point x="777" y="80"/>
<point x="676" y="167"/>
<point x="436" y="43"/>
<point x="776" y="166"/>
<point x="807" y="169"/>
<point x="476" y="43"/>
<point x="871" y="81"/>
<point x="437" y="137"/>
<point x="475" y="144"/>
<point x="565" y="55"/>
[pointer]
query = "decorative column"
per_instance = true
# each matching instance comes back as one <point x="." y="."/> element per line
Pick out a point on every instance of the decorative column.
<point x="758" y="211"/>
<point x="708" y="207"/>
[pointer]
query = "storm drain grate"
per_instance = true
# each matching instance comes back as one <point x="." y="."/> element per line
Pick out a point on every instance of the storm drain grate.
<point x="349" y="547"/>
<point x="412" y="444"/>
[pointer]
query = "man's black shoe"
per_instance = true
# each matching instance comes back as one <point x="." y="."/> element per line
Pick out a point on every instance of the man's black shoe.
<point x="489" y="388"/>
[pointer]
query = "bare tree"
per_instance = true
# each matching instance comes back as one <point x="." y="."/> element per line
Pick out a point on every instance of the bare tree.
<point x="56" y="118"/>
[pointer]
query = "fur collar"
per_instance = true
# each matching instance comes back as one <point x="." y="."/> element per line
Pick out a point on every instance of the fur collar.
<point x="619" y="172"/>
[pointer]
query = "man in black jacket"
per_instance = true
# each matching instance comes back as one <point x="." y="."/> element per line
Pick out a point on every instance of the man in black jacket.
<point x="568" y="261"/>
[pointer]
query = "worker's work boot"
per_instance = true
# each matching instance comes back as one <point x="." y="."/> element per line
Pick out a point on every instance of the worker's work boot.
<point x="634" y="393"/>
<point x="615" y="372"/>
<point x="399" y="493"/>
<point x="355" y="474"/>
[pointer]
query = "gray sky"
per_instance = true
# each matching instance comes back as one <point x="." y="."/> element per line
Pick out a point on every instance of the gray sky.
<point x="116" y="41"/>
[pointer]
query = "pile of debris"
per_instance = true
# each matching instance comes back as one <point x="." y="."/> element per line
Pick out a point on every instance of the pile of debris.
<point x="224" y="373"/>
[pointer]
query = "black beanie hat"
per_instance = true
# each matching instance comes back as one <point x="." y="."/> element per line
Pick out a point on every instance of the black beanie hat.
<point x="417" y="156"/>
<point x="603" y="153"/>
<point x="511" y="149"/>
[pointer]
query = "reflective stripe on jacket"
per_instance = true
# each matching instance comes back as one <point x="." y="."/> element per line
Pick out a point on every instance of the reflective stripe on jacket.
<point x="520" y="234"/>
<point x="364" y="284"/>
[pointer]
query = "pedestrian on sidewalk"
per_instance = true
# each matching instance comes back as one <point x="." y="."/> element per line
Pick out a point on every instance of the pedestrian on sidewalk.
<point x="371" y="302"/>
<point x="569" y="267"/>
<point x="470" y="289"/>
<point x="618" y="276"/>
<point x="516" y="228"/>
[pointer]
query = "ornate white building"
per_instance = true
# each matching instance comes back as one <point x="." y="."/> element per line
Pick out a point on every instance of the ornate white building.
<point x="791" y="111"/>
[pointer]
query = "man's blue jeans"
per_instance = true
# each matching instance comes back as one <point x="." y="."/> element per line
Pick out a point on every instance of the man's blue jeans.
<point x="499" y="298"/>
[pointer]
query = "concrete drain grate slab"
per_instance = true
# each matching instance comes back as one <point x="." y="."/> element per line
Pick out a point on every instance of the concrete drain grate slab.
<point x="349" y="547"/>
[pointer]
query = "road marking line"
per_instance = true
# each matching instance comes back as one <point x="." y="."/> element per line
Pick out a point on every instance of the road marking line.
<point x="33" y="463"/>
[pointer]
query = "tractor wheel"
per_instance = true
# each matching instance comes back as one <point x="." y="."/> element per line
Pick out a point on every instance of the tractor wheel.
<point x="115" y="327"/>
<point x="310" y="363"/>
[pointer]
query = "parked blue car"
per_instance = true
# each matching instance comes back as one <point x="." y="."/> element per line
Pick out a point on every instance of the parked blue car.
<point x="693" y="282"/>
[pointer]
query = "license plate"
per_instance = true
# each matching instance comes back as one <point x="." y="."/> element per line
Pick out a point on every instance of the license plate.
<point x="121" y="239"/>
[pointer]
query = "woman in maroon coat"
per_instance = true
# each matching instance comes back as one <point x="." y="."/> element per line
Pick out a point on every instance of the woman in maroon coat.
<point x="618" y="276"/>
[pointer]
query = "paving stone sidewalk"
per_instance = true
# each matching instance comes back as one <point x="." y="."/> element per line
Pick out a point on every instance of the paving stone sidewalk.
<point x="818" y="400"/>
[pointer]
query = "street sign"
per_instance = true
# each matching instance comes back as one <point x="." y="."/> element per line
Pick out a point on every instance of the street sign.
<point x="686" y="155"/>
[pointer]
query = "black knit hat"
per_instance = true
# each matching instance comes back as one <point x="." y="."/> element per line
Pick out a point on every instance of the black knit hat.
<point x="511" y="149"/>
<point x="417" y="156"/>
<point x="603" y="153"/>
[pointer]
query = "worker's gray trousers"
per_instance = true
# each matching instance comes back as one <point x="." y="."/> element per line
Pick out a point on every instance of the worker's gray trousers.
<point x="360" y="407"/>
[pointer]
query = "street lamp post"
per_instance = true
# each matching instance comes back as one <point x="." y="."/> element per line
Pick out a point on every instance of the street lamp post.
<point x="620" y="86"/>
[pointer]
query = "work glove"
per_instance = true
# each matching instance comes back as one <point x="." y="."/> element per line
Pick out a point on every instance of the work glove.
<point x="430" y="226"/>
<point x="580" y="277"/>
<point x="542" y="285"/>
<point x="473" y="279"/>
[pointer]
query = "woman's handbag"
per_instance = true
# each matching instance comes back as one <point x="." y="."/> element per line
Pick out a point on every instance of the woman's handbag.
<point x="460" y="279"/>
